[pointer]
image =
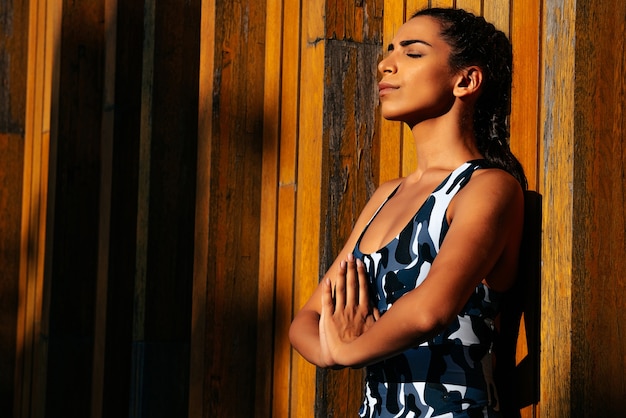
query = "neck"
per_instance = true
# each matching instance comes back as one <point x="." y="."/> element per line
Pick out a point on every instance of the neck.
<point x="444" y="143"/>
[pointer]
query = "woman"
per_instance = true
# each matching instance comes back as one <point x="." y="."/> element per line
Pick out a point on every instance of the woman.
<point x="414" y="293"/>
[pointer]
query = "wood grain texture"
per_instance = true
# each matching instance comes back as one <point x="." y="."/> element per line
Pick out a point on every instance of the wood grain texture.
<point x="287" y="194"/>
<point x="557" y="133"/>
<point x="472" y="6"/>
<point x="498" y="12"/>
<point x="309" y="190"/>
<point x="14" y="34"/>
<point x="197" y="360"/>
<point x="265" y="401"/>
<point x="598" y="282"/>
<point x="390" y="148"/>
<point x="236" y="167"/>
<point x="42" y="94"/>
<point x="351" y="178"/>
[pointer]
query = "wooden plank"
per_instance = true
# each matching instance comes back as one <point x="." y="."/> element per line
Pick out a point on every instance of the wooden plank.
<point x="599" y="212"/>
<point x="197" y="368"/>
<point x="472" y="6"/>
<point x="557" y="132"/>
<point x="525" y="38"/>
<point x="525" y="144"/>
<point x="413" y="6"/>
<point x="498" y="12"/>
<point x="11" y="172"/>
<point x="350" y="174"/>
<point x="106" y="174"/>
<point x="287" y="180"/>
<point x="308" y="204"/>
<point x="14" y="44"/>
<point x="441" y="3"/>
<point x="236" y="184"/>
<point x="264" y="400"/>
<point x="44" y="30"/>
<point x="390" y="132"/>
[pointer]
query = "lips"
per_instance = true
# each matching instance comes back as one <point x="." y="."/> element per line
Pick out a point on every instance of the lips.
<point x="385" y="88"/>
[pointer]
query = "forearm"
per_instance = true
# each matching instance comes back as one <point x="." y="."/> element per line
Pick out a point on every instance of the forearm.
<point x="392" y="334"/>
<point x="304" y="336"/>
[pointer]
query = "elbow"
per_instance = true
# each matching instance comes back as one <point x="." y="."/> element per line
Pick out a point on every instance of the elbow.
<point x="293" y="335"/>
<point x="430" y="323"/>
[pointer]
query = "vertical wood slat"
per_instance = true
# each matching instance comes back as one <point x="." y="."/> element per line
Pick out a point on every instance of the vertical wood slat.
<point x="43" y="60"/>
<point x="557" y="111"/>
<point x="287" y="154"/>
<point x="498" y="12"/>
<point x="143" y="211"/>
<point x="524" y="32"/>
<point x="264" y="401"/>
<point x="391" y="132"/>
<point x="197" y="368"/>
<point x="106" y="174"/>
<point x="598" y="383"/>
<point x="441" y="3"/>
<point x="13" y="60"/>
<point x="472" y="6"/>
<point x="308" y="201"/>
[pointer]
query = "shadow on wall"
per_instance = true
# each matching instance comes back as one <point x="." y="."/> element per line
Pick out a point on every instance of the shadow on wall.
<point x="518" y="377"/>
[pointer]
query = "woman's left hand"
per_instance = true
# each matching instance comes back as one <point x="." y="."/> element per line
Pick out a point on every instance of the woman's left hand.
<point x="348" y="314"/>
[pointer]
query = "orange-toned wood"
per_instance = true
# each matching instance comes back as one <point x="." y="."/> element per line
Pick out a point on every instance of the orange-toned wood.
<point x="498" y="12"/>
<point x="441" y="3"/>
<point x="285" y="190"/>
<point x="308" y="204"/>
<point x="390" y="148"/>
<point x="598" y="291"/>
<point x="41" y="93"/>
<point x="269" y="382"/>
<point x="472" y="6"/>
<point x="197" y="369"/>
<point x="525" y="33"/>
<point x="557" y="112"/>
<point x="13" y="102"/>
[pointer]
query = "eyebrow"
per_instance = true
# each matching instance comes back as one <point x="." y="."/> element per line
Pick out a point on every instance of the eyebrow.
<point x="407" y="43"/>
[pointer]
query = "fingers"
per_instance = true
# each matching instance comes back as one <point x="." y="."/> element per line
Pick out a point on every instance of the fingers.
<point x="340" y="286"/>
<point x="376" y="314"/>
<point x="327" y="298"/>
<point x="363" y="284"/>
<point x="352" y="289"/>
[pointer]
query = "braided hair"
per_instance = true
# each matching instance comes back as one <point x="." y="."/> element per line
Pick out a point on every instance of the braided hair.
<point x="474" y="41"/>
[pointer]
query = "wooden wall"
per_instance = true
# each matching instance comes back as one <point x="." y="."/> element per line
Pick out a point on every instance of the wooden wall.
<point x="583" y="284"/>
<point x="175" y="176"/>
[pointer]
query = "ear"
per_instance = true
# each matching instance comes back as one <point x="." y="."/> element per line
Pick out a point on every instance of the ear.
<point x="469" y="81"/>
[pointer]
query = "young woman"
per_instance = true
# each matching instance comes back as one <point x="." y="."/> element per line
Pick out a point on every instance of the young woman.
<point x="414" y="293"/>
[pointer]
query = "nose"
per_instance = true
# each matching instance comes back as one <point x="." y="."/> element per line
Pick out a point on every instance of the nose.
<point x="387" y="65"/>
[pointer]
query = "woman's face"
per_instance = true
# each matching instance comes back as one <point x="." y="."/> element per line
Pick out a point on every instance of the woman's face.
<point x="417" y="82"/>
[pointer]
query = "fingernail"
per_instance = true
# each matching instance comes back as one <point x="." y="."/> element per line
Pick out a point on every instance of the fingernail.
<point x="359" y="262"/>
<point x="350" y="257"/>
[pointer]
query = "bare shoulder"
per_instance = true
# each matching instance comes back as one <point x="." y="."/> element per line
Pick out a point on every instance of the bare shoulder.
<point x="492" y="189"/>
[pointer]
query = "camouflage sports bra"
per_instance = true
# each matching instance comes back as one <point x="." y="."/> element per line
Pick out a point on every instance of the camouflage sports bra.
<point x="449" y="375"/>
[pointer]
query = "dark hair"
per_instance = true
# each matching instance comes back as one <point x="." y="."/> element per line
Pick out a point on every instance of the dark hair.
<point x="474" y="41"/>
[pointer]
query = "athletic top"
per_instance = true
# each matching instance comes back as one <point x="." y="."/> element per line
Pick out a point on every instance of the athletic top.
<point x="449" y="375"/>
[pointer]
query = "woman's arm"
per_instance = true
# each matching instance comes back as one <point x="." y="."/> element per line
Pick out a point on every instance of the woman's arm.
<point x="481" y="245"/>
<point x="304" y="330"/>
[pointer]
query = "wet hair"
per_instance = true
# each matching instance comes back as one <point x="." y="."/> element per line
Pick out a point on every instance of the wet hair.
<point x="474" y="41"/>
